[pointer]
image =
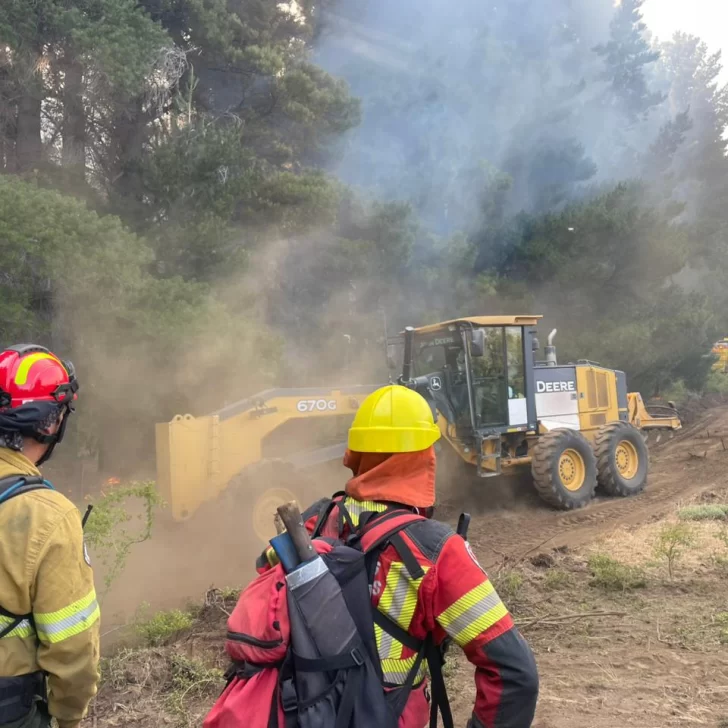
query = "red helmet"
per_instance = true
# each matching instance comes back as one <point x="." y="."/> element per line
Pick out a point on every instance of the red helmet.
<point x="30" y="373"/>
<point x="36" y="387"/>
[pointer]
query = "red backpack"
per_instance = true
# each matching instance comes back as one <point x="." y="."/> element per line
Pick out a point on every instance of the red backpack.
<point x="302" y="646"/>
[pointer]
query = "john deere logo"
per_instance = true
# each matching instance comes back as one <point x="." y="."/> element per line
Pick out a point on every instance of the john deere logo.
<point x="436" y="384"/>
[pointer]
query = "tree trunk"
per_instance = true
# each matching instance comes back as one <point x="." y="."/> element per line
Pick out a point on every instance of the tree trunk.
<point x="131" y="132"/>
<point x="8" y="114"/>
<point x="73" y="156"/>
<point x="8" y="136"/>
<point x="29" y="148"/>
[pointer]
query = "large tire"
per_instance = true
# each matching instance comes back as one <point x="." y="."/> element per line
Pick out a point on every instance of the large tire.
<point x="564" y="469"/>
<point x="622" y="459"/>
<point x="254" y="494"/>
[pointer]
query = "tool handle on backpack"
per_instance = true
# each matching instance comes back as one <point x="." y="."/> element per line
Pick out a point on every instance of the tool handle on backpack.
<point x="293" y="521"/>
<point x="278" y="523"/>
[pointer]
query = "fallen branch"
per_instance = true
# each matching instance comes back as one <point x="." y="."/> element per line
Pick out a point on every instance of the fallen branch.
<point x="555" y="620"/>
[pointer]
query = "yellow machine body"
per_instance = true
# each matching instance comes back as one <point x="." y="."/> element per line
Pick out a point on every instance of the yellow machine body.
<point x="198" y="456"/>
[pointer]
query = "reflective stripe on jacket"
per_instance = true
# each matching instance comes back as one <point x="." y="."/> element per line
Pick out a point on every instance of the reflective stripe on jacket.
<point x="44" y="573"/>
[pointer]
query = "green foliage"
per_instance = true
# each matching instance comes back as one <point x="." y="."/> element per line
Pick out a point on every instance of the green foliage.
<point x="707" y="512"/>
<point x="671" y="543"/>
<point x="107" y="533"/>
<point x="160" y="626"/>
<point x="716" y="383"/>
<point x="611" y="575"/>
<point x="606" y="265"/>
<point x="120" y="41"/>
<point x="202" y="168"/>
<point x="627" y="56"/>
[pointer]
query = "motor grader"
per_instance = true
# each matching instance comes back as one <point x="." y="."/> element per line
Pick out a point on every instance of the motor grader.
<point x="499" y="408"/>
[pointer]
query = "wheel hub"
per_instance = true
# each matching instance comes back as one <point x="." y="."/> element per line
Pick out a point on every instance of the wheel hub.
<point x="572" y="470"/>
<point x="626" y="459"/>
<point x="264" y="511"/>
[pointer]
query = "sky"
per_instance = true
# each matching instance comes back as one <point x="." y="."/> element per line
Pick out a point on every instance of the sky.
<point x="705" y="18"/>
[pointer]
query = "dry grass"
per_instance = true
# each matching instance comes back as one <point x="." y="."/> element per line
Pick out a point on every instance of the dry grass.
<point x="172" y="678"/>
<point x="655" y="656"/>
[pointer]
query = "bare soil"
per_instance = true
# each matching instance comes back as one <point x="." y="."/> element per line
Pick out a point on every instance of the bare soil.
<point x="650" y="657"/>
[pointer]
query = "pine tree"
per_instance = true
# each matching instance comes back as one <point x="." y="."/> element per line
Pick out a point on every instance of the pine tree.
<point x="626" y="56"/>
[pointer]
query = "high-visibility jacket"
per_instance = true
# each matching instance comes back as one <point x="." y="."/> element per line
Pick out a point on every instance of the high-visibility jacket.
<point x="45" y="571"/>
<point x="455" y="599"/>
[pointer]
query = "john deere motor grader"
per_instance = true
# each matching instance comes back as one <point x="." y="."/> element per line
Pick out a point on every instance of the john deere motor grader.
<point x="499" y="409"/>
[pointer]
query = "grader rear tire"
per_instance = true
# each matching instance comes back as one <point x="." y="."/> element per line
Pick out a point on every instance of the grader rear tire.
<point x="564" y="469"/>
<point x="622" y="459"/>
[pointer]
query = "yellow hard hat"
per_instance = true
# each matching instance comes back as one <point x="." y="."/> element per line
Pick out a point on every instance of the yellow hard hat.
<point x="393" y="419"/>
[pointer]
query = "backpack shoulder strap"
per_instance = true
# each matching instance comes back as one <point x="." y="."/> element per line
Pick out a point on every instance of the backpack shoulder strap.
<point x="377" y="533"/>
<point x="14" y="485"/>
<point x="16" y="621"/>
<point x="387" y="528"/>
<point x="10" y="487"/>
<point x="337" y="499"/>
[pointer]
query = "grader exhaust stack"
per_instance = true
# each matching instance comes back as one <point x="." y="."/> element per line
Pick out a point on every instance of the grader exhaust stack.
<point x="550" y="350"/>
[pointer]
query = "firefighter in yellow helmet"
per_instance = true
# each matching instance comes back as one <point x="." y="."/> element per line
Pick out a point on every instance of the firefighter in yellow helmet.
<point x="392" y="458"/>
<point x="49" y="616"/>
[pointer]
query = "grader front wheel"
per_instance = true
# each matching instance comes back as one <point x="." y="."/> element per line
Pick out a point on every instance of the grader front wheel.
<point x="255" y="493"/>
<point x="622" y="459"/>
<point x="264" y="510"/>
<point x="564" y="469"/>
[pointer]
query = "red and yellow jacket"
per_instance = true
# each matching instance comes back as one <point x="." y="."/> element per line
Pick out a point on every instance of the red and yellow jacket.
<point x="455" y="599"/>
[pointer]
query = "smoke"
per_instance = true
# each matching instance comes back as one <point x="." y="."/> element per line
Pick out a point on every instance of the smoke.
<point x="472" y="113"/>
<point x="451" y="91"/>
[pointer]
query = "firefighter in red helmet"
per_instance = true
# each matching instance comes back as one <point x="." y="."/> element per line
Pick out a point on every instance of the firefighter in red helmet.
<point x="49" y="616"/>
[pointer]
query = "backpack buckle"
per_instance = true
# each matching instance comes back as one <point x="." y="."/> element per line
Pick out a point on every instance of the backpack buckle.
<point x="289" y="699"/>
<point x="357" y="657"/>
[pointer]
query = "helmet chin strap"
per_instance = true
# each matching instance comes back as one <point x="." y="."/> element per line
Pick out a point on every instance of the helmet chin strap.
<point x="53" y="440"/>
<point x="47" y="454"/>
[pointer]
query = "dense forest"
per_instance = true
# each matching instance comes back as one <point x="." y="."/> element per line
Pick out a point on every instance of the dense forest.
<point x="201" y="197"/>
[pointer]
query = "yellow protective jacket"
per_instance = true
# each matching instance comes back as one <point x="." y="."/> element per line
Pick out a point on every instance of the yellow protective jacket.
<point x="44" y="571"/>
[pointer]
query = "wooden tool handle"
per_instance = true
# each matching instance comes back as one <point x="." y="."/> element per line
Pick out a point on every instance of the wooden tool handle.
<point x="293" y="521"/>
<point x="278" y="523"/>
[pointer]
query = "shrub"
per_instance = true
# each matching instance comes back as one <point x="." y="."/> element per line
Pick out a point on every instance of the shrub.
<point x="611" y="575"/>
<point x="671" y="543"/>
<point x="162" y="625"/>
<point x="712" y="512"/>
